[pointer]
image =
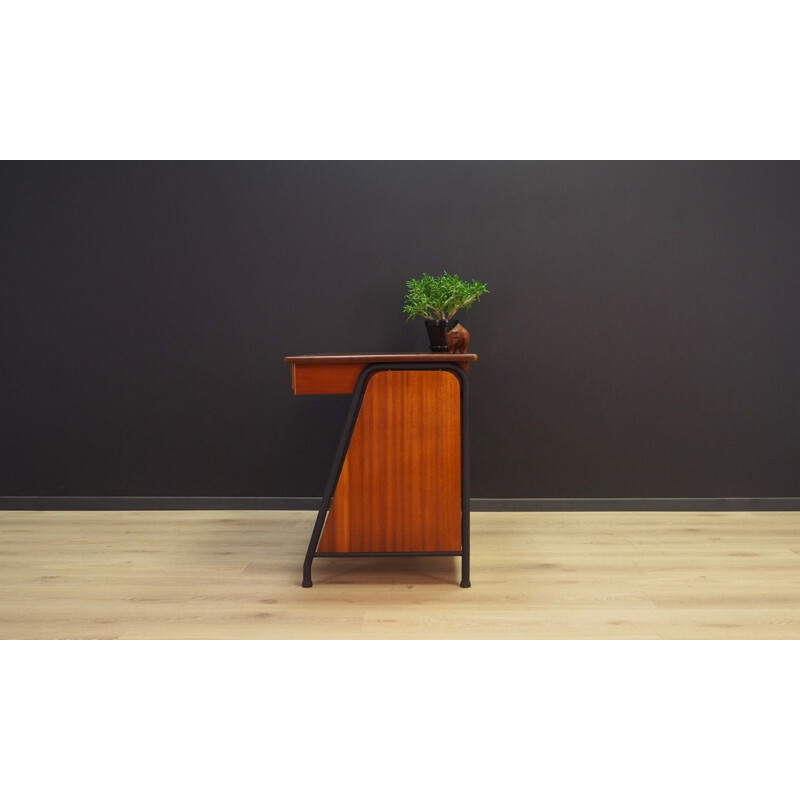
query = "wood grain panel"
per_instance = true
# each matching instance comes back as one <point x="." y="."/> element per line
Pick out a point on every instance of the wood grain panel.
<point x="400" y="486"/>
<point x="325" y="378"/>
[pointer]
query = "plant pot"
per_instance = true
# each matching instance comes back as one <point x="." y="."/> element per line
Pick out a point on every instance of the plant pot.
<point x="437" y="334"/>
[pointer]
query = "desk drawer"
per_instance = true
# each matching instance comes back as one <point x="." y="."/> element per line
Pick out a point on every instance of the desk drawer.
<point x="325" y="378"/>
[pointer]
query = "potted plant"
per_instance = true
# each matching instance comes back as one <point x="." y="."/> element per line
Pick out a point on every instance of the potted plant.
<point x="437" y="300"/>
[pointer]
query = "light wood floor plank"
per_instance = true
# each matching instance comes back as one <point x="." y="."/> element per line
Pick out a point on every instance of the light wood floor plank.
<point x="540" y="575"/>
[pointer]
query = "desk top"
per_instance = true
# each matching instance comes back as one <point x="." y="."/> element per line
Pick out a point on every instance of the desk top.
<point x="378" y="358"/>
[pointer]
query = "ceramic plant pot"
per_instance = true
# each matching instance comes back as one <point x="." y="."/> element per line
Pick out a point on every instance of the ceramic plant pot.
<point x="437" y="334"/>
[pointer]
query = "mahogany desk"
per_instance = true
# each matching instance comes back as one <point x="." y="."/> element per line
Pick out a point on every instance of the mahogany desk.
<point x="399" y="484"/>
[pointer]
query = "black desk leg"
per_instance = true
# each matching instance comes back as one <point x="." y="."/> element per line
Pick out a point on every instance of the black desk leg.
<point x="336" y="469"/>
<point x="464" y="381"/>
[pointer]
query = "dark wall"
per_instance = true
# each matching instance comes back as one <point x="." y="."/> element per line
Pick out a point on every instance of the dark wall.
<point x="641" y="338"/>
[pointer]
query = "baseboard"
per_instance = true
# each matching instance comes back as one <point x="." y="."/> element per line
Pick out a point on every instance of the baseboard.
<point x="74" y="503"/>
<point x="636" y="504"/>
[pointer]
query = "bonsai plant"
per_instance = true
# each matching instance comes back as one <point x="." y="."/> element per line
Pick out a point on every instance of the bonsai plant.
<point x="437" y="300"/>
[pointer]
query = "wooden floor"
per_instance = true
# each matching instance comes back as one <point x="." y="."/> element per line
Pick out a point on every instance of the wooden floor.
<point x="236" y="575"/>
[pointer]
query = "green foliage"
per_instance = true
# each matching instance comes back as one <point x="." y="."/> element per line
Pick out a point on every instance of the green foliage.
<point x="442" y="297"/>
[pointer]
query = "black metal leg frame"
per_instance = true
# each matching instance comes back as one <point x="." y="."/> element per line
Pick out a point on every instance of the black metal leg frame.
<point x="341" y="452"/>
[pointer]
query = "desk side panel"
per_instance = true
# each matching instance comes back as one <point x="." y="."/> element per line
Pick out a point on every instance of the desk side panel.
<point x="400" y="485"/>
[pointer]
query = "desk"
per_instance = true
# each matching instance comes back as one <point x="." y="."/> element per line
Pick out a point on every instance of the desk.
<point x="399" y="484"/>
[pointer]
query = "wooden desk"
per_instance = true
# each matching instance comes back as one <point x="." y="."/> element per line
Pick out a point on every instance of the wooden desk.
<point x="399" y="484"/>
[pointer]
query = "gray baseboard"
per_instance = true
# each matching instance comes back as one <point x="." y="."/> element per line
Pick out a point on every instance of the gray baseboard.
<point x="636" y="504"/>
<point x="74" y="503"/>
<point x="40" y="503"/>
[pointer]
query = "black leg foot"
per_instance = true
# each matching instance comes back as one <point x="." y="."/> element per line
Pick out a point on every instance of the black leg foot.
<point x="307" y="572"/>
<point x="465" y="584"/>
